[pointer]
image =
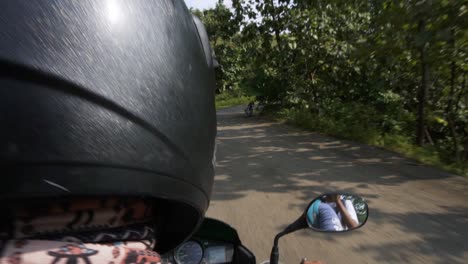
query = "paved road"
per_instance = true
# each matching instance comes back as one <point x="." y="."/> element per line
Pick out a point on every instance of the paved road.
<point x="268" y="172"/>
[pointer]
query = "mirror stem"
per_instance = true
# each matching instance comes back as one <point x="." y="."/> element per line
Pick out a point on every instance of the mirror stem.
<point x="274" y="256"/>
<point x="300" y="223"/>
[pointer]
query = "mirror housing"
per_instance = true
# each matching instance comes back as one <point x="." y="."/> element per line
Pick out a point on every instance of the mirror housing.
<point x="331" y="212"/>
<point x="336" y="212"/>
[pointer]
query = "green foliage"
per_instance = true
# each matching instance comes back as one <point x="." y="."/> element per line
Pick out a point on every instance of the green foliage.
<point x="231" y="99"/>
<point x="362" y="210"/>
<point x="383" y="72"/>
<point x="223" y="31"/>
<point x="341" y="125"/>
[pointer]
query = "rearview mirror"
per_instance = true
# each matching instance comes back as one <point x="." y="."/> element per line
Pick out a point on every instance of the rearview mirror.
<point x="331" y="212"/>
<point x="336" y="213"/>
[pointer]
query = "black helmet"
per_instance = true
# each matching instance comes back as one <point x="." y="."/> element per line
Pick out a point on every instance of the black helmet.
<point x="108" y="98"/>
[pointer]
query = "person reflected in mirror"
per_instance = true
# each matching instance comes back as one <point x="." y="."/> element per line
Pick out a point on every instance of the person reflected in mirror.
<point x="332" y="214"/>
<point x="344" y="210"/>
<point x="322" y="216"/>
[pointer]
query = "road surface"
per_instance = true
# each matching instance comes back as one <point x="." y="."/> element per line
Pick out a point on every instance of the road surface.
<point x="268" y="172"/>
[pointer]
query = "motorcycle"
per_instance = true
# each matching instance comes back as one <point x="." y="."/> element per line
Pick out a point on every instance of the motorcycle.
<point x="248" y="111"/>
<point x="216" y="242"/>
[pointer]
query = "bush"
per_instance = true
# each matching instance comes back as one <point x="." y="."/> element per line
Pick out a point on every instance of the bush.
<point x="228" y="99"/>
<point x="362" y="124"/>
<point x="341" y="123"/>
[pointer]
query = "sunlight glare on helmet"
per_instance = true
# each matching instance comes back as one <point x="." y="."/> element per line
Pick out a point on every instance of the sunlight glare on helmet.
<point x="114" y="11"/>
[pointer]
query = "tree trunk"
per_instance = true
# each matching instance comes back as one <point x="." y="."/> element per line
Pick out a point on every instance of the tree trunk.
<point x="460" y="93"/>
<point x="428" y="136"/>
<point x="422" y="96"/>
<point x="449" y="111"/>
<point x="464" y="154"/>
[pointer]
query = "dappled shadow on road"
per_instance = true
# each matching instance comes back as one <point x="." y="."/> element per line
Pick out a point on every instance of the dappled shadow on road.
<point x="267" y="159"/>
<point x="441" y="235"/>
<point x="409" y="220"/>
<point x="260" y="155"/>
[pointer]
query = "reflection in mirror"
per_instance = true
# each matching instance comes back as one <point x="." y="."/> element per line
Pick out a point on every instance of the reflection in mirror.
<point x="337" y="213"/>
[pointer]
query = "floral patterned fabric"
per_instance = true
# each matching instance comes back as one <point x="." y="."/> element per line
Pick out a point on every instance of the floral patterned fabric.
<point x="75" y="231"/>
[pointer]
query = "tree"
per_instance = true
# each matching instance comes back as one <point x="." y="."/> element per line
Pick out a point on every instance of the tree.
<point x="222" y="29"/>
<point x="367" y="70"/>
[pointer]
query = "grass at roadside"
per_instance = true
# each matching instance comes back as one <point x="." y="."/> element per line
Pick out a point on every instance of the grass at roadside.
<point x="227" y="100"/>
<point x="363" y="133"/>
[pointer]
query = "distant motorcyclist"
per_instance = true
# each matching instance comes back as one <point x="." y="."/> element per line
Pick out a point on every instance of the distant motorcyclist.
<point x="250" y="108"/>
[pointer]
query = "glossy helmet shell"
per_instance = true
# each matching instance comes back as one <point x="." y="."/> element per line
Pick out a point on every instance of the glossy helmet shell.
<point x="108" y="97"/>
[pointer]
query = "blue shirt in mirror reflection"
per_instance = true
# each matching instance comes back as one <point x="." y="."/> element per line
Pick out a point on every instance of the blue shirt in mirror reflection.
<point x="324" y="216"/>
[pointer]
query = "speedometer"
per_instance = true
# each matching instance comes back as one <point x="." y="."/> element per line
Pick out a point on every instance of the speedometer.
<point x="190" y="252"/>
